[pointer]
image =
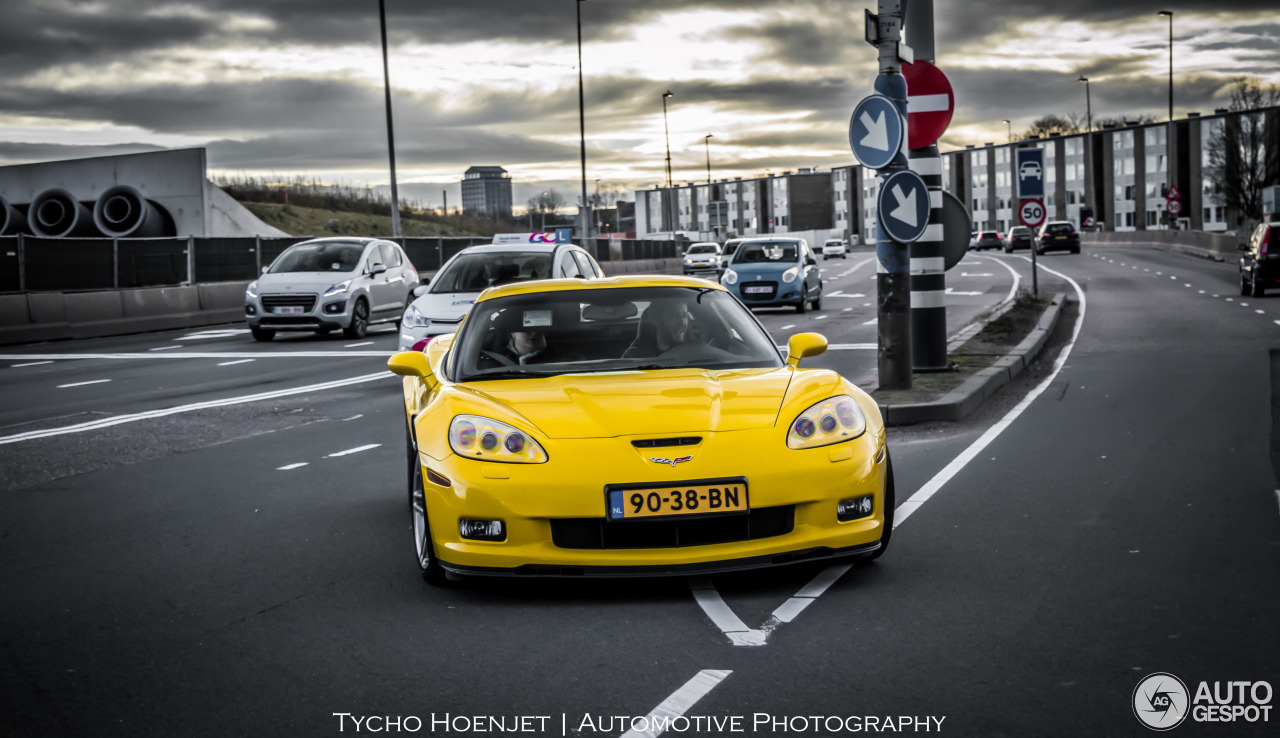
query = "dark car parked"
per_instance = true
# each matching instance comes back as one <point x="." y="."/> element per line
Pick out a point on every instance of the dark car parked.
<point x="1260" y="264"/>
<point x="1020" y="237"/>
<point x="1058" y="234"/>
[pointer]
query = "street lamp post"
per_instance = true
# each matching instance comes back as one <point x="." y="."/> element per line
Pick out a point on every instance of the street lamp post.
<point x="707" y="141"/>
<point x="1009" y="127"/>
<point x="1088" y="145"/>
<point x="1169" y="13"/>
<point x="391" y="138"/>
<point x="1088" y="107"/>
<point x="582" y="130"/>
<point x="670" y="193"/>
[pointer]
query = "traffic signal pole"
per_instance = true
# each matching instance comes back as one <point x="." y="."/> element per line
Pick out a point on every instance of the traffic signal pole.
<point x="893" y="286"/>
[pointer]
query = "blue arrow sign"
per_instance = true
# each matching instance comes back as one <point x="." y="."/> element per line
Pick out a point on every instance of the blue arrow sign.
<point x="876" y="131"/>
<point x="1029" y="173"/>
<point x="903" y="206"/>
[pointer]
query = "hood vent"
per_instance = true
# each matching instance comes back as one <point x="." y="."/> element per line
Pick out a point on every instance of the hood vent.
<point x="659" y="442"/>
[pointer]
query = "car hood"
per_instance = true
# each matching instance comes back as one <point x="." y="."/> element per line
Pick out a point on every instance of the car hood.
<point x="445" y="305"/>
<point x="766" y="269"/>
<point x="301" y="281"/>
<point x="660" y="402"/>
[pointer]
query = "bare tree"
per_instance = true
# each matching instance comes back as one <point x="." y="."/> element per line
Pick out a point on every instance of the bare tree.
<point x="546" y="203"/>
<point x="1238" y="153"/>
<point x="1124" y="121"/>
<point x="1054" y="124"/>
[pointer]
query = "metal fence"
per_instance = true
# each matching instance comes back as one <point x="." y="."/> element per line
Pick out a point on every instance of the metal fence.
<point x="32" y="264"/>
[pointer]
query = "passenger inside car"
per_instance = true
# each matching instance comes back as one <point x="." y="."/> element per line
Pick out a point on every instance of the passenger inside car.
<point x="663" y="326"/>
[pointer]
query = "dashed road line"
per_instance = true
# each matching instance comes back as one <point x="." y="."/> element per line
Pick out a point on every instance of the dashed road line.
<point x="82" y="384"/>
<point x="677" y="704"/>
<point x="287" y="467"/>
<point x="165" y="348"/>
<point x="29" y="363"/>
<point x="238" y="361"/>
<point x="355" y="345"/>
<point x="355" y="450"/>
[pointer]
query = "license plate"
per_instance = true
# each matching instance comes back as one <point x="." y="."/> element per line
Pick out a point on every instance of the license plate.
<point x="288" y="310"/>
<point x="697" y="498"/>
<point x="758" y="290"/>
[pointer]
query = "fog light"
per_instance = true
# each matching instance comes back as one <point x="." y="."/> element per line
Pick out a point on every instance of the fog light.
<point x="854" y="508"/>
<point x="250" y="310"/>
<point x="482" y="530"/>
<point x="333" y="308"/>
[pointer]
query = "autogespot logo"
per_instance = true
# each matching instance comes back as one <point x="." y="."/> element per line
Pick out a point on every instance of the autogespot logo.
<point x="1160" y="701"/>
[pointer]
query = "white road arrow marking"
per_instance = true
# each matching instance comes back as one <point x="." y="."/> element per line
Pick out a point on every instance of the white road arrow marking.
<point x="877" y="132"/>
<point x="906" y="209"/>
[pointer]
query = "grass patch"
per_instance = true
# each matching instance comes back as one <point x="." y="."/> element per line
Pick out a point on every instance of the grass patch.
<point x="993" y="342"/>
<point x="301" y="221"/>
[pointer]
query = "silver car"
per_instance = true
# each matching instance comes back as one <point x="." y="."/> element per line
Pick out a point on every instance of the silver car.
<point x="440" y="306"/>
<point x="330" y="283"/>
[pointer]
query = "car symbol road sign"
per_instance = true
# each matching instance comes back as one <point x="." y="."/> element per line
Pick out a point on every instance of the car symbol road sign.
<point x="930" y="103"/>
<point x="1031" y="213"/>
<point x="1029" y="173"/>
<point x="875" y="131"/>
<point x="903" y="206"/>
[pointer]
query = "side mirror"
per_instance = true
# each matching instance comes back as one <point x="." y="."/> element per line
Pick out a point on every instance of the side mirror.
<point x="376" y="269"/>
<point x="411" y="364"/>
<point x="264" y="269"/>
<point x="1242" y="247"/>
<point x="420" y="290"/>
<point x="803" y="345"/>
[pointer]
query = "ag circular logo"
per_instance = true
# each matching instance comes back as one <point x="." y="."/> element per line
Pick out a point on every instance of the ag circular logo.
<point x="1160" y="701"/>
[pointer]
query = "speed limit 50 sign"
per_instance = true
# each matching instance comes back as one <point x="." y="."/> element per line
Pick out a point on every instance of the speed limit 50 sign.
<point x="1031" y="213"/>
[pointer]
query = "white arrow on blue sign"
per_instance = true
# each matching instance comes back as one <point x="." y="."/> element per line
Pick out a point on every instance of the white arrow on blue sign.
<point x="1030" y="173"/>
<point x="903" y="206"/>
<point x="876" y="131"/>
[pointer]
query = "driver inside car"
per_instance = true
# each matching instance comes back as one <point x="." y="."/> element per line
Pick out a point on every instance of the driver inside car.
<point x="663" y="326"/>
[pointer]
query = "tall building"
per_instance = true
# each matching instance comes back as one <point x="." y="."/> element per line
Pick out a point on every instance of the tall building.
<point x="486" y="191"/>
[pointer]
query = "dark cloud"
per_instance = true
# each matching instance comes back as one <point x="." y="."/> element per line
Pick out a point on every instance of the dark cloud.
<point x="22" y="153"/>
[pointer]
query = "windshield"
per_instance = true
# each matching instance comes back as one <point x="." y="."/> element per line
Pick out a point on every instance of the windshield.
<point x="766" y="252"/>
<point x="702" y="249"/>
<point x="610" y="330"/>
<point x="319" y="257"/>
<point x="1059" y="229"/>
<point x="477" y="271"/>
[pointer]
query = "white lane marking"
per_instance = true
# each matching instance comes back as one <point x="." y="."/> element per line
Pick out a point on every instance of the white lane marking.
<point x="362" y="343"/>
<point x="353" y="417"/>
<point x="224" y="333"/>
<point x="1173" y="277"/>
<point x="81" y="384"/>
<point x="210" y="355"/>
<point x="1229" y="299"/>
<point x="291" y="466"/>
<point x="29" y="363"/>
<point x="355" y="450"/>
<point x="738" y="633"/>
<point x="980" y="274"/>
<point x="873" y="321"/>
<point x="165" y="348"/>
<point x="237" y="361"/>
<point x="787" y="327"/>
<point x="1244" y="304"/>
<point x="1260" y="312"/>
<point x="134" y="417"/>
<point x="1202" y="292"/>
<point x="1187" y="284"/>
<point x="821" y="317"/>
<point x="1277" y="322"/>
<point x="1013" y="290"/>
<point x="846" y="310"/>
<point x="1215" y="296"/>
<point x="951" y="291"/>
<point x="841" y="294"/>
<point x="1160" y="273"/>
<point x="660" y="717"/>
<point x="931" y="487"/>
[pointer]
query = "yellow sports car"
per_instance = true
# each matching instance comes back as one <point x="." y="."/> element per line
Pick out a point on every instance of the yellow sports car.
<point x="634" y="426"/>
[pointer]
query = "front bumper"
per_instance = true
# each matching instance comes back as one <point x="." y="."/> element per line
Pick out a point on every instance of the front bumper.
<point x="571" y="487"/>
<point x="306" y="312"/>
<point x="784" y="293"/>
<point x="410" y="336"/>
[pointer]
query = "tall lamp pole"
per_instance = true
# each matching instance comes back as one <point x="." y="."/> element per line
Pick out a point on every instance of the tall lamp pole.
<point x="391" y="138"/>
<point x="1169" y="13"/>
<point x="707" y="141"/>
<point x="1009" y="128"/>
<point x="1088" y="106"/>
<point x="582" y="131"/>
<point x="671" y="195"/>
<point x="1088" y="146"/>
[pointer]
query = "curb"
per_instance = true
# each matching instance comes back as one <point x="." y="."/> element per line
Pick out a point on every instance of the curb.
<point x="957" y="404"/>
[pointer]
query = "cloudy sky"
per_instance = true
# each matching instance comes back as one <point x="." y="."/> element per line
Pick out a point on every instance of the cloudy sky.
<point x="294" y="87"/>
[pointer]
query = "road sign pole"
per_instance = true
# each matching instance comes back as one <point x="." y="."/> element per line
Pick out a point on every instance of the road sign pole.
<point x="893" y="288"/>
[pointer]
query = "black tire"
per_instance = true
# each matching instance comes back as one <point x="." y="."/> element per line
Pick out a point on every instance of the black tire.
<point x="262" y="334"/>
<point x="1244" y="286"/>
<point x="1075" y="249"/>
<point x="359" y="326"/>
<point x="423" y="547"/>
<point x="890" y="502"/>
<point x="1008" y="249"/>
<point x="1255" y="290"/>
<point x="817" y="304"/>
<point x="804" y="304"/>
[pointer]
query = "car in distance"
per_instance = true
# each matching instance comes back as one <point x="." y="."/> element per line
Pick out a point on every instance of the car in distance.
<point x="651" y="427"/>
<point x="773" y="272"/>
<point x="834" y="248"/>
<point x="702" y="257"/>
<point x="987" y="240"/>
<point x="1260" y="260"/>
<point x="1029" y="169"/>
<point x="440" y="306"/>
<point x="726" y="252"/>
<point x="325" y="284"/>
<point x="1019" y="237"/>
<point x="1058" y="234"/>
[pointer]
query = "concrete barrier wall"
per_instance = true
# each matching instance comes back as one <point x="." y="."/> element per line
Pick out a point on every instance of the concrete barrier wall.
<point x="1197" y="243"/>
<point x="54" y="316"/>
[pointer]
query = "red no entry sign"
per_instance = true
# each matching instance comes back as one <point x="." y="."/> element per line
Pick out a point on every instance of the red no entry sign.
<point x="930" y="103"/>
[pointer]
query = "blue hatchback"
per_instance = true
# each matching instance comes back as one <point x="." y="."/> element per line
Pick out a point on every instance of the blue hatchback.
<point x="772" y="272"/>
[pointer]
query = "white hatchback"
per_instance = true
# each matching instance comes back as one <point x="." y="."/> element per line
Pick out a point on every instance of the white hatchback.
<point x="834" y="248"/>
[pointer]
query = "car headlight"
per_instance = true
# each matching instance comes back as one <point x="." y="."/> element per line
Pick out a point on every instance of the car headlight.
<point x="833" y="420"/>
<point x="730" y="277"/>
<point x="485" y="439"/>
<point x="413" y="318"/>
<point x="790" y="275"/>
<point x="689" y="260"/>
<point x="251" y="291"/>
<point x="337" y="289"/>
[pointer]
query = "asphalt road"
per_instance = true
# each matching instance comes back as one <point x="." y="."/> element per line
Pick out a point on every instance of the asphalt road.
<point x="245" y="568"/>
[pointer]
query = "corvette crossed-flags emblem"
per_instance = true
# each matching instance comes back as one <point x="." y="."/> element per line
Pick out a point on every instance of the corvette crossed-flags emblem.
<point x="672" y="462"/>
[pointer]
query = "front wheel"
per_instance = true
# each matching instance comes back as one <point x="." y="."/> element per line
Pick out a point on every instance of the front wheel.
<point x="424" y="548"/>
<point x="889" y="503"/>
<point x="804" y="304"/>
<point x="359" y="325"/>
<point x="817" y="304"/>
<point x="262" y="334"/>
<point x="1255" y="289"/>
<point x="1244" y="286"/>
